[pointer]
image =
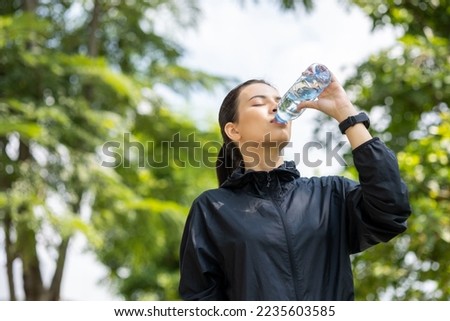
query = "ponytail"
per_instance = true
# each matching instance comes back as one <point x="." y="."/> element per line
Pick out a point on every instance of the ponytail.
<point x="228" y="159"/>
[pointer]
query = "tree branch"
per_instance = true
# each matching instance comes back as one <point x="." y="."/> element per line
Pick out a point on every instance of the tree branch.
<point x="54" y="291"/>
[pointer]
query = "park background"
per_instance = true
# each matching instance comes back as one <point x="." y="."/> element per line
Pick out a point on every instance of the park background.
<point x="76" y="76"/>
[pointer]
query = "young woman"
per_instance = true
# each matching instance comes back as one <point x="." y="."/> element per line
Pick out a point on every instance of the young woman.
<point x="269" y="234"/>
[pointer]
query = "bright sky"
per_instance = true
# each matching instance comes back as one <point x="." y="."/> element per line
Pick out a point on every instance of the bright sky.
<point x="251" y="41"/>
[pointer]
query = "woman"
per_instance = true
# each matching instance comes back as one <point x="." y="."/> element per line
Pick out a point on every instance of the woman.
<point x="268" y="234"/>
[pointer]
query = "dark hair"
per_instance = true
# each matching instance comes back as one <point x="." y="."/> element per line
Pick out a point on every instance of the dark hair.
<point x="230" y="157"/>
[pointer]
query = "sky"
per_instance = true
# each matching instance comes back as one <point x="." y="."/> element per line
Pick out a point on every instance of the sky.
<point x="243" y="42"/>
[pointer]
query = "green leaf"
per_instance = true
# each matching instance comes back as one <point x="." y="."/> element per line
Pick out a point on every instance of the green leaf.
<point x="28" y="130"/>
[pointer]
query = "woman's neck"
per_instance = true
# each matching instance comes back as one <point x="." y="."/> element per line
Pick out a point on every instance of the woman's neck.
<point x="262" y="159"/>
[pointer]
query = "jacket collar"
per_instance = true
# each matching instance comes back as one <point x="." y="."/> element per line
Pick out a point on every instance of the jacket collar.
<point x="240" y="177"/>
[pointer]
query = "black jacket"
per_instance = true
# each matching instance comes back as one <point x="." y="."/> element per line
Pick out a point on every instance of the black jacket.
<point x="278" y="236"/>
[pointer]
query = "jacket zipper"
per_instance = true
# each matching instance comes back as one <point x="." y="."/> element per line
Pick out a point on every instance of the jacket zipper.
<point x="289" y="245"/>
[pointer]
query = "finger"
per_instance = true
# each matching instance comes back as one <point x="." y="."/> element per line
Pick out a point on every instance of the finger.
<point x="334" y="78"/>
<point x="308" y="104"/>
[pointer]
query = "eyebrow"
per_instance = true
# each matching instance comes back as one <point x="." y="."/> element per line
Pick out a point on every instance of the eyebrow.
<point x="264" y="97"/>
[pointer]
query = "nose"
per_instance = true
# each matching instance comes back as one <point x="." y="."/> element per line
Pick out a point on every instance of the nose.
<point x="274" y="107"/>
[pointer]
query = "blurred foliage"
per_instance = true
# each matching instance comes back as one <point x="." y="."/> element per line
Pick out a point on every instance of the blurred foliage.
<point x="80" y="125"/>
<point x="414" y="266"/>
<point x="406" y="91"/>
<point x="141" y="223"/>
<point x="415" y="17"/>
<point x="399" y="84"/>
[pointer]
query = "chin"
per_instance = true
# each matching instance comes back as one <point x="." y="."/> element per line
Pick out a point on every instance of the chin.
<point x="278" y="139"/>
<point x="277" y="136"/>
<point x="284" y="144"/>
<point x="282" y="137"/>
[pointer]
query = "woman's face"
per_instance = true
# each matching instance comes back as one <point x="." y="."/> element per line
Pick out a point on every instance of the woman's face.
<point x="257" y="106"/>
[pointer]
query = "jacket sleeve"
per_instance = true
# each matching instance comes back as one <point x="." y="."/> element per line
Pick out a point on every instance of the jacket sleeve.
<point x="378" y="207"/>
<point x="201" y="277"/>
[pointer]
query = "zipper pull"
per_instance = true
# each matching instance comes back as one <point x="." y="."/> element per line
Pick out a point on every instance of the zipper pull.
<point x="268" y="179"/>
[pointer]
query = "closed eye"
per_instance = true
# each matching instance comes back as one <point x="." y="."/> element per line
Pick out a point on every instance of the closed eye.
<point x="261" y="100"/>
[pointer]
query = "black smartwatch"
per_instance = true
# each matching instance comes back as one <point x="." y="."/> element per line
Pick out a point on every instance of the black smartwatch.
<point x="353" y="120"/>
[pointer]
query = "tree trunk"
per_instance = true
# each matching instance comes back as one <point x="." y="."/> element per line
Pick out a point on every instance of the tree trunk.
<point x="5" y="185"/>
<point x="32" y="280"/>
<point x="93" y="44"/>
<point x="93" y="29"/>
<point x="30" y="5"/>
<point x="9" y="258"/>
<point x="54" y="291"/>
<point x="26" y="236"/>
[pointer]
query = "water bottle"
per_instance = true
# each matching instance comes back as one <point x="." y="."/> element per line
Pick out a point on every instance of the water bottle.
<point x="308" y="87"/>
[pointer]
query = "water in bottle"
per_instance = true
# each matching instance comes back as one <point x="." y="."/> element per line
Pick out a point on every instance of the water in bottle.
<point x="308" y="87"/>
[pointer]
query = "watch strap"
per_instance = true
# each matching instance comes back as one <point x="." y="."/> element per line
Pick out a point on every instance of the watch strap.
<point x="353" y="120"/>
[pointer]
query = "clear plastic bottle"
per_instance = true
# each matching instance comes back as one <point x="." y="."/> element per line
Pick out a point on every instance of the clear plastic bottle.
<point x="307" y="87"/>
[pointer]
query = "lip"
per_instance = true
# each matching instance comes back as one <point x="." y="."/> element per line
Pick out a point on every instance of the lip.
<point x="277" y="123"/>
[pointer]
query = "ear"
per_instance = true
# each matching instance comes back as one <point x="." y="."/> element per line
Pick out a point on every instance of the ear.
<point x="232" y="131"/>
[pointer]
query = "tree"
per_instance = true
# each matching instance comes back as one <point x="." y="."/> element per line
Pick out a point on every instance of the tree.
<point x="406" y="90"/>
<point x="48" y="129"/>
<point x="74" y="76"/>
